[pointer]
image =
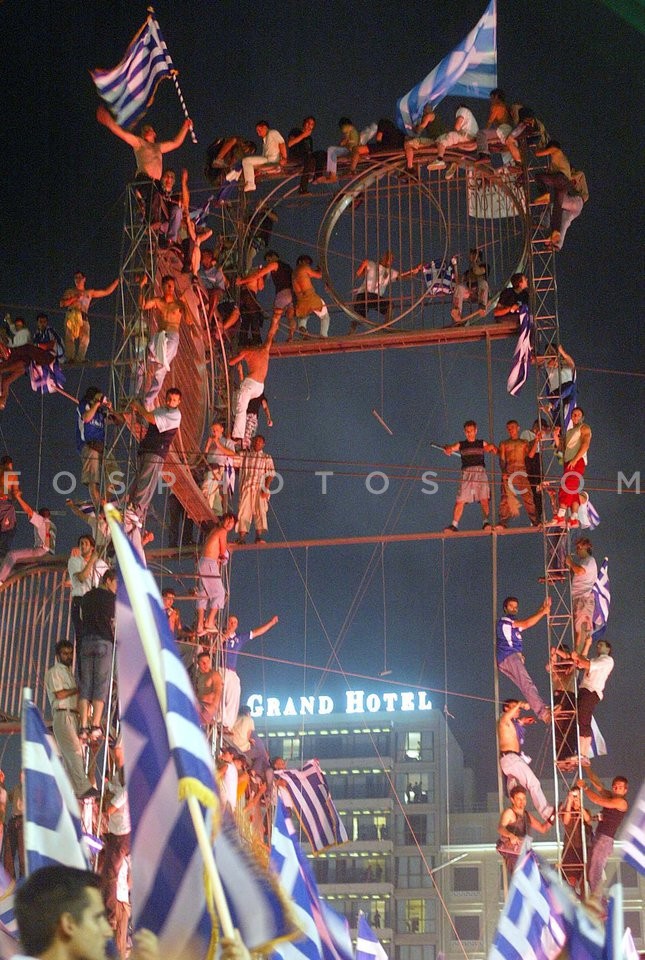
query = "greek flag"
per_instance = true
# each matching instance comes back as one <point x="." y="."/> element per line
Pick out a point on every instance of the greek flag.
<point x="312" y="803"/>
<point x="130" y="87"/>
<point x="324" y="934"/>
<point x="52" y="825"/>
<point x="602" y="600"/>
<point x="568" y="397"/>
<point x="165" y="754"/>
<point x="469" y="71"/>
<point x="523" y="351"/>
<point x="619" y="944"/>
<point x="633" y="835"/>
<point x="168" y="760"/>
<point x="46" y="378"/>
<point x="585" y="934"/>
<point x="588" y="516"/>
<point x="368" y="946"/>
<point x="527" y="927"/>
<point x="440" y="280"/>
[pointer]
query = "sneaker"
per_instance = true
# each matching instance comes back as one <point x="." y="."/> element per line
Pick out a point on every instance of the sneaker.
<point x="541" y="200"/>
<point x="241" y="540"/>
<point x="436" y="165"/>
<point x="574" y="522"/>
<point x="486" y="525"/>
<point x="451" y="528"/>
<point x="260" y="539"/>
<point x="451" y="171"/>
<point x="557" y="521"/>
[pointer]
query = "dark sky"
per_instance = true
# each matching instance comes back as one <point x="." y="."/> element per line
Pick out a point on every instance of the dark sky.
<point x="63" y="176"/>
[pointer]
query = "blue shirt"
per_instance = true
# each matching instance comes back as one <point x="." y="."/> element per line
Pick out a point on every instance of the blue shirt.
<point x="94" y="429"/>
<point x="232" y="646"/>
<point x="509" y="638"/>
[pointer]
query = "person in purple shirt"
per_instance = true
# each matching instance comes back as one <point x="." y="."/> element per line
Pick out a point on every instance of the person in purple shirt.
<point x="232" y="642"/>
<point x="510" y="656"/>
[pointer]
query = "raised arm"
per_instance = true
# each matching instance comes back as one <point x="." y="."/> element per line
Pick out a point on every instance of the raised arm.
<point x="105" y="118"/>
<point x="98" y="294"/>
<point x="258" y="631"/>
<point x="23" y="503"/>
<point x="362" y="267"/>
<point x="177" y="140"/>
<point x="536" y="617"/>
<point x="260" y="272"/>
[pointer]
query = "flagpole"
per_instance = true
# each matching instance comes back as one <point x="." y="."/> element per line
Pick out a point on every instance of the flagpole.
<point x="141" y="616"/>
<point x="173" y="72"/>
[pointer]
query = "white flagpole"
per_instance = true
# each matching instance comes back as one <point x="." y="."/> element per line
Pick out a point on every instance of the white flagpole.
<point x="173" y="72"/>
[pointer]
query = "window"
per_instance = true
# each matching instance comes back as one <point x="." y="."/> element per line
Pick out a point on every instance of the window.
<point x="413" y="872"/>
<point x="465" y="880"/>
<point x="416" y="787"/>
<point x="628" y="876"/>
<point x="415" y="830"/>
<point x="467" y="926"/>
<point x="416" y="952"/>
<point x="419" y="746"/>
<point x="415" y="916"/>
<point x="291" y="748"/>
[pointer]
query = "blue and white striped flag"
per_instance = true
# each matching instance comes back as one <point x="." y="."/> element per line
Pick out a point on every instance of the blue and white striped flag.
<point x="325" y="935"/>
<point x="52" y="825"/>
<point x="585" y="933"/>
<point x="130" y="87"/>
<point x="440" y="280"/>
<point x="368" y="946"/>
<point x="469" y="71"/>
<point x="168" y="760"/>
<point x="568" y="397"/>
<point x="312" y="803"/>
<point x="598" y="743"/>
<point x="168" y="891"/>
<point x="46" y="378"/>
<point x="588" y="516"/>
<point x="523" y="351"/>
<point x="633" y="834"/>
<point x="602" y="599"/>
<point x="527" y="927"/>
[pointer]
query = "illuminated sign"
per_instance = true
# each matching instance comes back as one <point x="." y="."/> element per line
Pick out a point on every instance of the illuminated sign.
<point x="355" y="702"/>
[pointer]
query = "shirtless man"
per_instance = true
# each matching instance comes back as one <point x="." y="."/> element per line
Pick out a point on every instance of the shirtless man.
<point x="513" y="453"/>
<point x="307" y="300"/>
<point x="257" y="365"/>
<point x="510" y="736"/>
<point x="147" y="151"/>
<point x="77" y="300"/>
<point x="208" y="688"/>
<point x="164" y="344"/>
<point x="515" y="824"/>
<point x="210" y="592"/>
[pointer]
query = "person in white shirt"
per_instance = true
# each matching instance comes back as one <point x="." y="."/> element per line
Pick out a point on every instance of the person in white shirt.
<point x="274" y="151"/>
<point x="85" y="569"/>
<point x="117" y="840"/>
<point x="591" y="689"/>
<point x="20" y="334"/>
<point x="376" y="278"/>
<point x="62" y="693"/>
<point x="584" y="573"/>
<point x="44" y="539"/>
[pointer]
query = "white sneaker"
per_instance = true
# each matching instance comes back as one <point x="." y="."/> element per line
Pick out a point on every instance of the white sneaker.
<point x="436" y="165"/>
<point x="451" y="171"/>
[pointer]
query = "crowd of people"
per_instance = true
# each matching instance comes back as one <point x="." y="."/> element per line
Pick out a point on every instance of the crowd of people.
<point x="79" y="683"/>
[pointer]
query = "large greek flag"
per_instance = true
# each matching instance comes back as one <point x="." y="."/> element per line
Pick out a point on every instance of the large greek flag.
<point x="165" y="754"/>
<point x="602" y="600"/>
<point x="167" y="761"/>
<point x="522" y="356"/>
<point x="52" y="824"/>
<point x="527" y="927"/>
<point x="325" y="935"/>
<point x="312" y="803"/>
<point x="130" y="87"/>
<point x="469" y="71"/>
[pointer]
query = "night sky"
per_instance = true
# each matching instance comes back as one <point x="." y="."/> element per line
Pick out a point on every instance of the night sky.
<point x="429" y="602"/>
